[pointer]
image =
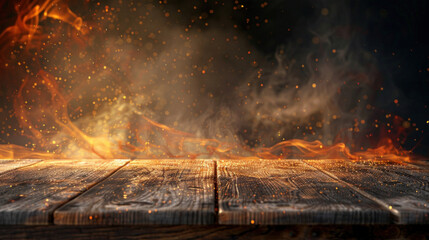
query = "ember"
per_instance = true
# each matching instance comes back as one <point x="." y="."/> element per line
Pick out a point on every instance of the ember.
<point x="140" y="80"/>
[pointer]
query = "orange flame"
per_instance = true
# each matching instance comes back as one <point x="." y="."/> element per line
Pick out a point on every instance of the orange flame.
<point x="59" y="10"/>
<point x="12" y="151"/>
<point x="317" y="150"/>
<point x="41" y="108"/>
<point x="175" y="144"/>
<point x="26" y="27"/>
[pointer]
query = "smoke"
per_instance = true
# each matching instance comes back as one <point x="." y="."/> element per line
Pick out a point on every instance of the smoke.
<point x="202" y="75"/>
<point x="182" y="77"/>
<point x="321" y="86"/>
<point x="196" y="67"/>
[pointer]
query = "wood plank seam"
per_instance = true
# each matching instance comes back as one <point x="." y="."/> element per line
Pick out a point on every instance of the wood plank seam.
<point x="13" y="169"/>
<point x="216" y="192"/>
<point x="29" y="195"/>
<point x="51" y="216"/>
<point x="394" y="212"/>
<point x="271" y="192"/>
<point x="395" y="215"/>
<point x="151" y="191"/>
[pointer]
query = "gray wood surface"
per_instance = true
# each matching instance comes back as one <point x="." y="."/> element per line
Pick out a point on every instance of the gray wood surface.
<point x="147" y="192"/>
<point x="29" y="195"/>
<point x="402" y="188"/>
<point x="289" y="192"/>
<point x="10" y="164"/>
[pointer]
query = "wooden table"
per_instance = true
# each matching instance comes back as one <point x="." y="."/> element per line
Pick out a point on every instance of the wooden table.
<point x="99" y="198"/>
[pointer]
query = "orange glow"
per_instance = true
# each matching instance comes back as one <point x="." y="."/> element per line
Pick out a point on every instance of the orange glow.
<point x="12" y="151"/>
<point x="317" y="150"/>
<point x="26" y="28"/>
<point x="59" y="10"/>
<point x="41" y="106"/>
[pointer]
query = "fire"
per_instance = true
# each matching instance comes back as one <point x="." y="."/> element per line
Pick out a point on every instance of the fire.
<point x="59" y="10"/>
<point x="43" y="109"/>
<point x="30" y="14"/>
<point x="317" y="150"/>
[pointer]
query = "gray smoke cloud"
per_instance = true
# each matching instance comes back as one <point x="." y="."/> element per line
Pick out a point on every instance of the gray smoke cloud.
<point x="214" y="82"/>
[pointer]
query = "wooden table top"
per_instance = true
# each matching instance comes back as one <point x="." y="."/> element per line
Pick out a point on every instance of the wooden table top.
<point x="112" y="192"/>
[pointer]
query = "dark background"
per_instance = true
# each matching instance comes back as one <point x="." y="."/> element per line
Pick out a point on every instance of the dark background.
<point x="397" y="29"/>
<point x="395" y="32"/>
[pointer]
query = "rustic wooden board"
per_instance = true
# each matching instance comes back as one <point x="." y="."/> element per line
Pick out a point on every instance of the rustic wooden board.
<point x="289" y="192"/>
<point x="404" y="189"/>
<point x="29" y="195"/>
<point x="10" y="164"/>
<point x="147" y="192"/>
<point x="216" y="232"/>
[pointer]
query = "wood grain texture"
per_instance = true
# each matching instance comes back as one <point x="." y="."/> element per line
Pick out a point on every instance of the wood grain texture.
<point x="29" y="195"/>
<point x="404" y="189"/>
<point x="147" y="192"/>
<point x="289" y="192"/>
<point x="216" y="232"/>
<point x="10" y="164"/>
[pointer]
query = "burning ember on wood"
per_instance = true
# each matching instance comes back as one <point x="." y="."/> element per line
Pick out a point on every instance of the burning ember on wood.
<point x="154" y="79"/>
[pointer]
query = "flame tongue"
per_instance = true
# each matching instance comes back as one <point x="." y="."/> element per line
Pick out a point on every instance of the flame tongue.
<point x="59" y="10"/>
<point x="26" y="27"/>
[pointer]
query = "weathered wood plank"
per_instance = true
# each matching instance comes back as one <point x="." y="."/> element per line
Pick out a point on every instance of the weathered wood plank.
<point x="29" y="195"/>
<point x="216" y="232"/>
<point x="10" y="164"/>
<point x="404" y="189"/>
<point x="289" y="192"/>
<point x="147" y="192"/>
